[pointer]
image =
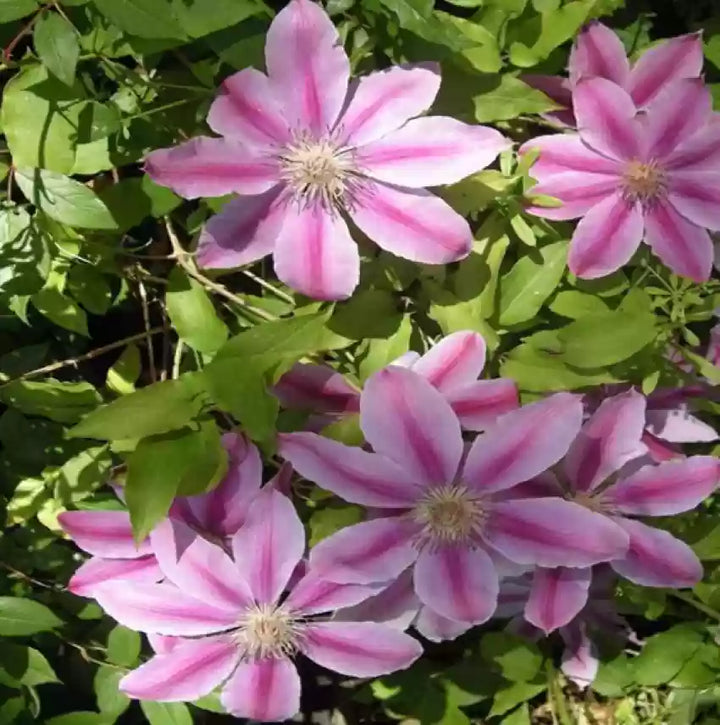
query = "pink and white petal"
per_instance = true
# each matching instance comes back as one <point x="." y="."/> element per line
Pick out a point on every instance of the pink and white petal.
<point x="699" y="153"/>
<point x="457" y="359"/>
<point x="479" y="404"/>
<point x="551" y="532"/>
<point x="207" y="166"/>
<point x="696" y="195"/>
<point x="355" y="475"/>
<point x="406" y="419"/>
<point x="544" y="484"/>
<point x="243" y="232"/>
<point x="246" y="108"/>
<point x="162" y="609"/>
<point x="307" y="66"/>
<point x="684" y="247"/>
<point x="436" y="628"/>
<point x="103" y="533"/>
<point x="557" y="89"/>
<point x="269" y="545"/>
<point x="318" y="388"/>
<point x="606" y="118"/>
<point x="431" y="151"/>
<point x="192" y="669"/>
<point x="411" y="223"/>
<point x="578" y="191"/>
<point x="610" y="438"/>
<point x="314" y="595"/>
<point x="371" y="551"/>
<point x="581" y="659"/>
<point x="678" y="425"/>
<point x="667" y="489"/>
<point x="564" y="152"/>
<point x="557" y="596"/>
<point x="523" y="443"/>
<point x="359" y="649"/>
<point x="659" y="450"/>
<point x="606" y="238"/>
<point x="457" y="582"/>
<point x="598" y="51"/>
<point x="656" y="558"/>
<point x="97" y="571"/>
<point x="675" y="115"/>
<point x="195" y="565"/>
<point x="162" y="644"/>
<point x="314" y="252"/>
<point x="382" y="101"/>
<point x="263" y="690"/>
<point x="676" y="58"/>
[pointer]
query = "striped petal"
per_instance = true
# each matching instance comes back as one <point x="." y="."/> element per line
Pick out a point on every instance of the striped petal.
<point x="457" y="359"/>
<point x="103" y="533"/>
<point x="97" y="571"/>
<point x="598" y="51"/>
<point x="479" y="404"/>
<point x="557" y="596"/>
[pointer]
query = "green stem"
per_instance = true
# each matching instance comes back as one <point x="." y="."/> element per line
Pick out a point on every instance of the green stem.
<point x="556" y="699"/>
<point x="704" y="608"/>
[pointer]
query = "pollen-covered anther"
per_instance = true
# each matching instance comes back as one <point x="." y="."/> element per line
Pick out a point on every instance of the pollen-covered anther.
<point x="449" y="514"/>
<point x="268" y="631"/>
<point x="644" y="181"/>
<point x="589" y="501"/>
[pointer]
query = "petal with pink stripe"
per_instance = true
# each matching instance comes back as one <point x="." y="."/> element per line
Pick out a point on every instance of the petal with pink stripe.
<point x="557" y="596"/>
<point x="598" y="51"/>
<point x="314" y="595"/>
<point x="456" y="359"/>
<point x="479" y="404"/>
<point x="578" y="191"/>
<point x="581" y="659"/>
<point x="436" y="628"/>
<point x="318" y="388"/>
<point x="699" y="153"/>
<point x="103" y="533"/>
<point x="696" y="195"/>
<point x="564" y="152"/>
<point x="97" y="571"/>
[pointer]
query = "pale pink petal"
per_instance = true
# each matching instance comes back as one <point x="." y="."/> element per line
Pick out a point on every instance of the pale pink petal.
<point x="683" y="246"/>
<point x="404" y="418"/>
<point x="97" y="571"/>
<point x="544" y="484"/>
<point x="581" y="659"/>
<point x="659" y="450"/>
<point x="382" y="101"/>
<point x="551" y="532"/>
<point x="523" y="443"/>
<point x="351" y="473"/>
<point x="609" y="439"/>
<point x="313" y="595"/>
<point x="457" y="582"/>
<point x="557" y="89"/>
<point x="372" y="551"/>
<point x="455" y="360"/>
<point x="680" y="57"/>
<point x="411" y="223"/>
<point x="656" y="558"/>
<point x="244" y="231"/>
<point x="359" y="649"/>
<point x="103" y="533"/>
<point x="207" y="166"/>
<point x="318" y="388"/>
<point x="247" y="109"/>
<point x="678" y="425"/>
<point x="696" y="195"/>
<point x="606" y="238"/>
<point x="269" y="544"/>
<point x="314" y="252"/>
<point x="162" y="644"/>
<point x="437" y="628"/>
<point x="307" y="65"/>
<point x="606" y="118"/>
<point x="263" y="690"/>
<point x="699" y="153"/>
<point x="431" y="151"/>
<point x="193" y="669"/>
<point x="667" y="489"/>
<point x="598" y="51"/>
<point x="161" y="609"/>
<point x="563" y="152"/>
<point x="556" y="596"/>
<point x="578" y="191"/>
<point x="479" y="404"/>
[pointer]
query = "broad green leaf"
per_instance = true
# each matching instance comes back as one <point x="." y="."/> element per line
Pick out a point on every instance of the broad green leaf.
<point x="516" y="693"/>
<point x="202" y="17"/>
<point x="132" y="200"/>
<point x="27" y="499"/>
<point x="376" y="354"/>
<point x="83" y="717"/>
<point x="123" y="646"/>
<point x="473" y="194"/>
<point x="56" y="43"/>
<point x="111" y="701"/>
<point x="517" y="659"/>
<point x="125" y="371"/>
<point x="326" y="521"/>
<point x="369" y="313"/>
<point x="144" y="18"/>
<point x="82" y="473"/>
<point x="20" y="617"/>
<point x="90" y="288"/>
<point x="97" y="122"/>
<point x="63" y="402"/>
<point x="664" y="654"/>
<point x="21" y="665"/>
<point x="574" y="304"/>
<point x="613" y="676"/>
<point x="166" y="713"/>
<point x="15" y="9"/>
<point x="60" y="309"/>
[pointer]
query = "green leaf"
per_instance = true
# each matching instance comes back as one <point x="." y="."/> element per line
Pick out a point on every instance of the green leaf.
<point x="15" y="9"/>
<point x="60" y="309"/>
<point x="21" y="665"/>
<point x="56" y="44"/>
<point x="517" y="659"/>
<point x="125" y="371"/>
<point x="369" y="313"/>
<point x="20" y="617"/>
<point x="166" y="713"/>
<point x="613" y="676"/>
<point x="144" y="18"/>
<point x="664" y="654"/>
<point x="514" y="694"/>
<point x="90" y="288"/>
<point x="123" y="646"/>
<point x="110" y="700"/>
<point x="63" y="402"/>
<point x="193" y="314"/>
<point x="378" y="353"/>
<point x="84" y="717"/>
<point x="574" y="304"/>
<point x="326" y="521"/>
<point x="132" y="200"/>
<point x="202" y="17"/>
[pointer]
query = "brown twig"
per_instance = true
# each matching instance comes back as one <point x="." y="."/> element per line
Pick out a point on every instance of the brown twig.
<point x="10" y="47"/>
<point x="148" y="336"/>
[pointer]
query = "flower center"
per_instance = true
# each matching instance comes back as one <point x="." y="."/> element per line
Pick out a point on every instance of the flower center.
<point x="449" y="514"/>
<point x="589" y="501"/>
<point x="268" y="631"/>
<point x="643" y="181"/>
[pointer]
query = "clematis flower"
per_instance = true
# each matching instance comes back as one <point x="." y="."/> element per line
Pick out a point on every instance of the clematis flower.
<point x="452" y="365"/>
<point x="302" y="147"/>
<point x="598" y="52"/>
<point x="445" y="509"/>
<point x="236" y="627"/>
<point x="630" y="176"/>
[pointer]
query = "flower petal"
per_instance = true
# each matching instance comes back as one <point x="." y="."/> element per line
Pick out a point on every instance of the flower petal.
<point x="314" y="252"/>
<point x="683" y="246"/>
<point x="598" y="51"/>
<point x="265" y="690"/>
<point x="656" y="558"/>
<point x="479" y="404"/>
<point x="606" y="238"/>
<point x="97" y="571"/>
<point x="578" y="191"/>
<point x="192" y="669"/>
<point x="581" y="659"/>
<point x="696" y="195"/>
<point x="557" y="596"/>
<point x="359" y="649"/>
<point x="382" y="101"/>
<point x="563" y="152"/>
<point x="318" y="388"/>
<point x="351" y="473"/>
<point x="610" y="438"/>
<point x="437" y="628"/>
<point x="667" y="489"/>
<point x="207" y="166"/>
<point x="411" y="223"/>
<point x="699" y="153"/>
<point x="404" y="418"/>
<point x="307" y="65"/>
<point x="557" y="89"/>
<point x="457" y="359"/>
<point x="314" y="595"/>
<point x="678" y="425"/>
<point x="103" y="533"/>
<point x="551" y="532"/>
<point x="523" y="443"/>
<point x="269" y="545"/>
<point x="457" y="582"/>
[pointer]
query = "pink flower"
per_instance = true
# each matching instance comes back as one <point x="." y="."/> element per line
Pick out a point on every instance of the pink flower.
<point x="629" y="175"/>
<point x="452" y="365"/>
<point x="301" y="146"/>
<point x="236" y="627"/>
<point x="598" y="52"/>
<point x="446" y="508"/>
